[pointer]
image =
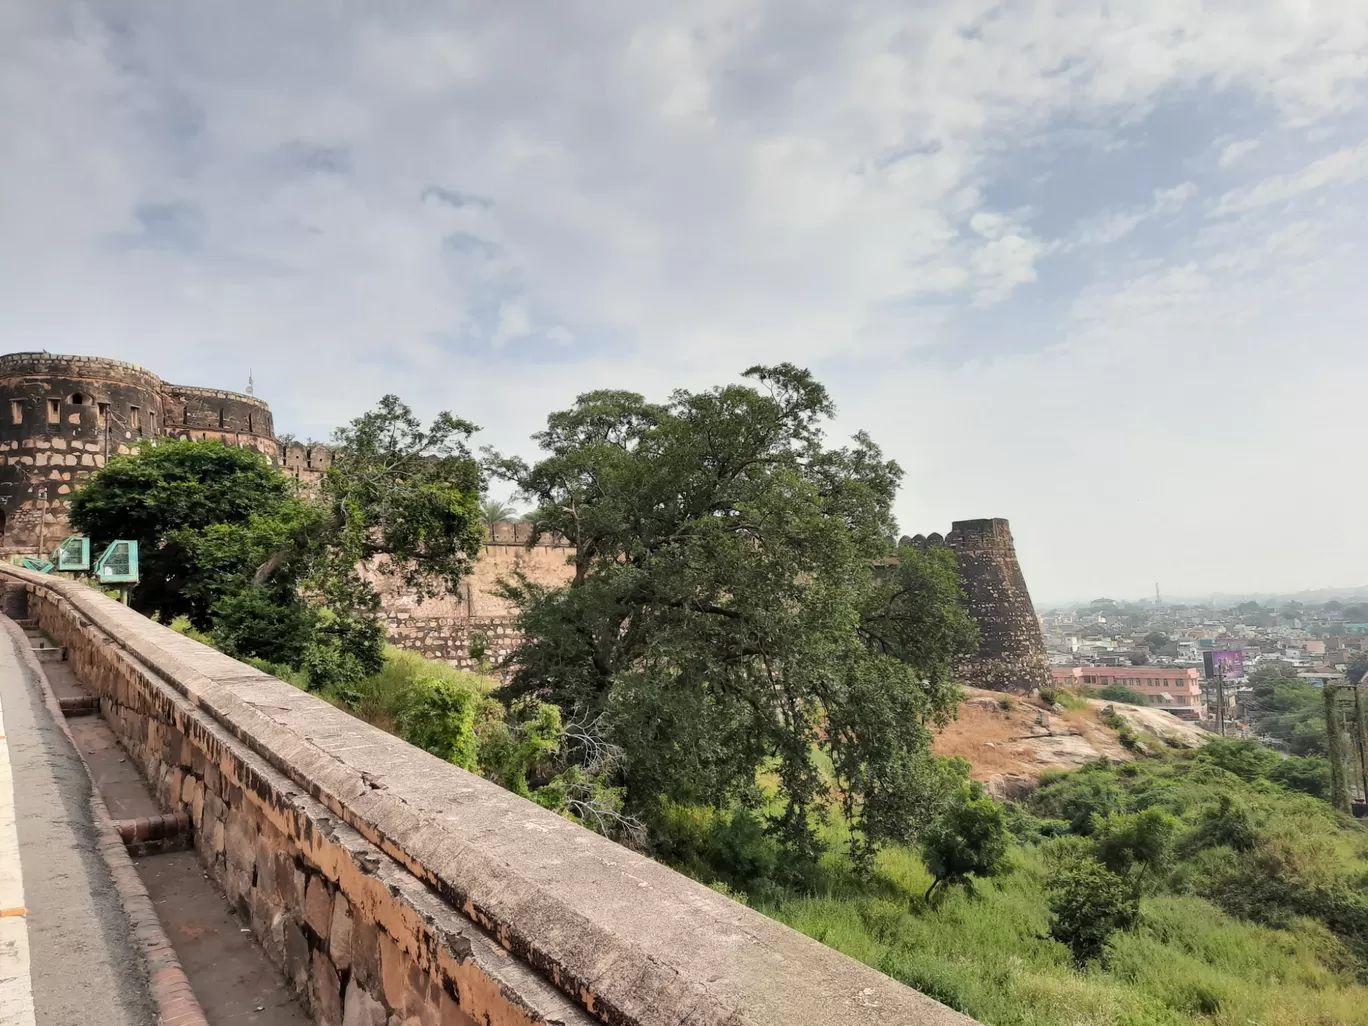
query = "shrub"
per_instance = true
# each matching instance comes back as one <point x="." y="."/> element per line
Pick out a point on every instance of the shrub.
<point x="256" y="623"/>
<point x="969" y="840"/>
<point x="1229" y="823"/>
<point x="1136" y="843"/>
<point x="1080" y="798"/>
<point x="1121" y="693"/>
<point x="1310" y="775"/>
<point x="439" y="717"/>
<point x="1088" y="903"/>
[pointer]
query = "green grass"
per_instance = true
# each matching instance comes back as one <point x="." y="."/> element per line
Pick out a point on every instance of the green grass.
<point x="988" y="952"/>
<point x="988" y="955"/>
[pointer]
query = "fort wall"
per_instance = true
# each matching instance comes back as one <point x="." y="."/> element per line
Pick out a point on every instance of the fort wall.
<point x="1011" y="654"/>
<point x="393" y="887"/>
<point x="63" y="417"/>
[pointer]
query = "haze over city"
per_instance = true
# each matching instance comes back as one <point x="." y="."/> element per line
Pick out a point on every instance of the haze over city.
<point x="1093" y="268"/>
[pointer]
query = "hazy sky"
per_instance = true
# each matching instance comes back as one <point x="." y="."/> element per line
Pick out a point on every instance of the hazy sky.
<point x="1097" y="267"/>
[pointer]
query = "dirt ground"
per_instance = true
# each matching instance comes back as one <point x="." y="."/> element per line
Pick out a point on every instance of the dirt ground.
<point x="1011" y="739"/>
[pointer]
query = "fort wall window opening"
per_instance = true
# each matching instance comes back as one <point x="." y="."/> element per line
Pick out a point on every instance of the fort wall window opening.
<point x="16" y="411"/>
<point x="54" y="411"/>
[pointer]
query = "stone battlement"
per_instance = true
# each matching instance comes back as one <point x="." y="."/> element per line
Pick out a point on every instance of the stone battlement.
<point x="218" y="393"/>
<point x="1011" y="655"/>
<point x="53" y="402"/>
<point x="392" y="886"/>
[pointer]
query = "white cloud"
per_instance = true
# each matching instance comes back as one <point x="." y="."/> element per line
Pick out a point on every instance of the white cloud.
<point x="1342" y="167"/>
<point x="1113" y="226"/>
<point x="1236" y="150"/>
<point x="653" y="194"/>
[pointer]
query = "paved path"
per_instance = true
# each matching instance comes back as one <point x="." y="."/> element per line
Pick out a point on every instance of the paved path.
<point x="65" y="955"/>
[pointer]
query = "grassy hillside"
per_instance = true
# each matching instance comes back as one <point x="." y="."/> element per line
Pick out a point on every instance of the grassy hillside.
<point x="1257" y="915"/>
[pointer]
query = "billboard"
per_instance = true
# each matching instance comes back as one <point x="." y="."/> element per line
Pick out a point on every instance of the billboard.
<point x="1227" y="663"/>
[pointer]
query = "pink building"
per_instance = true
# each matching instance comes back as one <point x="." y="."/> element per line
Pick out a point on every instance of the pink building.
<point x="1177" y="689"/>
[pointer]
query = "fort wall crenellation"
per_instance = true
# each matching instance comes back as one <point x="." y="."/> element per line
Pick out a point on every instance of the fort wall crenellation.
<point x="64" y="417"/>
<point x="1011" y="654"/>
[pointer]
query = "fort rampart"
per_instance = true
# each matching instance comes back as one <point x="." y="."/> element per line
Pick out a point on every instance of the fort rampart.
<point x="63" y="417"/>
<point x="1011" y="654"/>
<point x="392" y="887"/>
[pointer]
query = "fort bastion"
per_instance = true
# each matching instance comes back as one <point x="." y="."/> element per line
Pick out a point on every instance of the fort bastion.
<point x="63" y="417"/>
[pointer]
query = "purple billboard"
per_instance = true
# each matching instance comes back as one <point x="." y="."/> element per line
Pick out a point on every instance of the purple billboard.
<point x="1227" y="663"/>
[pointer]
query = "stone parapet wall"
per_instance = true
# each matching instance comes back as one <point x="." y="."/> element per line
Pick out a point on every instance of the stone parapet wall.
<point x="392" y="887"/>
<point x="450" y="638"/>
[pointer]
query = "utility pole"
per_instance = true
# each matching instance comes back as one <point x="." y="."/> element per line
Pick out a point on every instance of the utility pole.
<point x="1220" y="699"/>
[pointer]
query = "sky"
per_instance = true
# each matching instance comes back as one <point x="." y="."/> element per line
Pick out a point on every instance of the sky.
<point x="1095" y="266"/>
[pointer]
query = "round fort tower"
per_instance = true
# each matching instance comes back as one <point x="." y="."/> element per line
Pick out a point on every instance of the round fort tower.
<point x="63" y="417"/>
<point x="1011" y="654"/>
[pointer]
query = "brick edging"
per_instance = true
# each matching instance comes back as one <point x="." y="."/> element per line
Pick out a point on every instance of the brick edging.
<point x="167" y="982"/>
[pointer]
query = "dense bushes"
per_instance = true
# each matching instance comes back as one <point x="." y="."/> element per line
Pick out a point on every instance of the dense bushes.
<point x="1188" y="894"/>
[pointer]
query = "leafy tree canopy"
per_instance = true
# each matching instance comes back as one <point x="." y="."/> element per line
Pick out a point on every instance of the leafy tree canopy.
<point x="196" y="510"/>
<point x="734" y="606"/>
<point x="227" y="541"/>
<point x="969" y="840"/>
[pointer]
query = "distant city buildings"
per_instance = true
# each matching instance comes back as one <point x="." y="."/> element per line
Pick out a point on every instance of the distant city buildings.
<point x="1159" y="651"/>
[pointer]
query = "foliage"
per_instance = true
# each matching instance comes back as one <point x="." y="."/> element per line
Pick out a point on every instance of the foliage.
<point x="1193" y="955"/>
<point x="163" y="496"/>
<point x="403" y="498"/>
<point x="492" y="511"/>
<point x="1088" y="904"/>
<point x="439" y="717"/>
<point x="1120" y="693"/>
<point x="1134" y="843"/>
<point x="1156" y="640"/>
<point x="969" y="840"/>
<point x="734" y="608"/>
<point x="227" y="542"/>
<point x="1287" y="710"/>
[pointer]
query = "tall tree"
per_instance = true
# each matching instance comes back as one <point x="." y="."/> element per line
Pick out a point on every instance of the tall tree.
<point x="734" y="605"/>
<point x="227" y="541"/>
<point x="163" y="496"/>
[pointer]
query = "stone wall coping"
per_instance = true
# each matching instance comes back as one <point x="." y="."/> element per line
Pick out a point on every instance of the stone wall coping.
<point x="17" y="361"/>
<point x="633" y="941"/>
<point x="216" y="393"/>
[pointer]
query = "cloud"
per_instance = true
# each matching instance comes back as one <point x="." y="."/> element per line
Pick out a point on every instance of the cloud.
<point x="1113" y="226"/>
<point x="1234" y="151"/>
<point x="486" y="210"/>
<point x="1342" y="167"/>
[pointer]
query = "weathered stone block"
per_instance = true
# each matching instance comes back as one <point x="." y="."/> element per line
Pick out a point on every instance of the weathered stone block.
<point x="297" y="958"/>
<point x="360" y="1009"/>
<point x="340" y="933"/>
<point x="318" y="907"/>
<point x="241" y="841"/>
<point x="326" y="991"/>
<point x="366" y="954"/>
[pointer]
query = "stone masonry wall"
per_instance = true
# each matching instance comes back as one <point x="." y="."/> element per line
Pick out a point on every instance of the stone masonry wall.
<point x="1011" y="655"/>
<point x="449" y="638"/>
<point x="63" y="417"/>
<point x="395" y="889"/>
<point x="444" y="627"/>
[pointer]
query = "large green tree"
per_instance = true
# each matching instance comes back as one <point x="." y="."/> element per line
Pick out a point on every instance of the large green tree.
<point x="227" y="541"/>
<point x="166" y="497"/>
<point x="736" y="609"/>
